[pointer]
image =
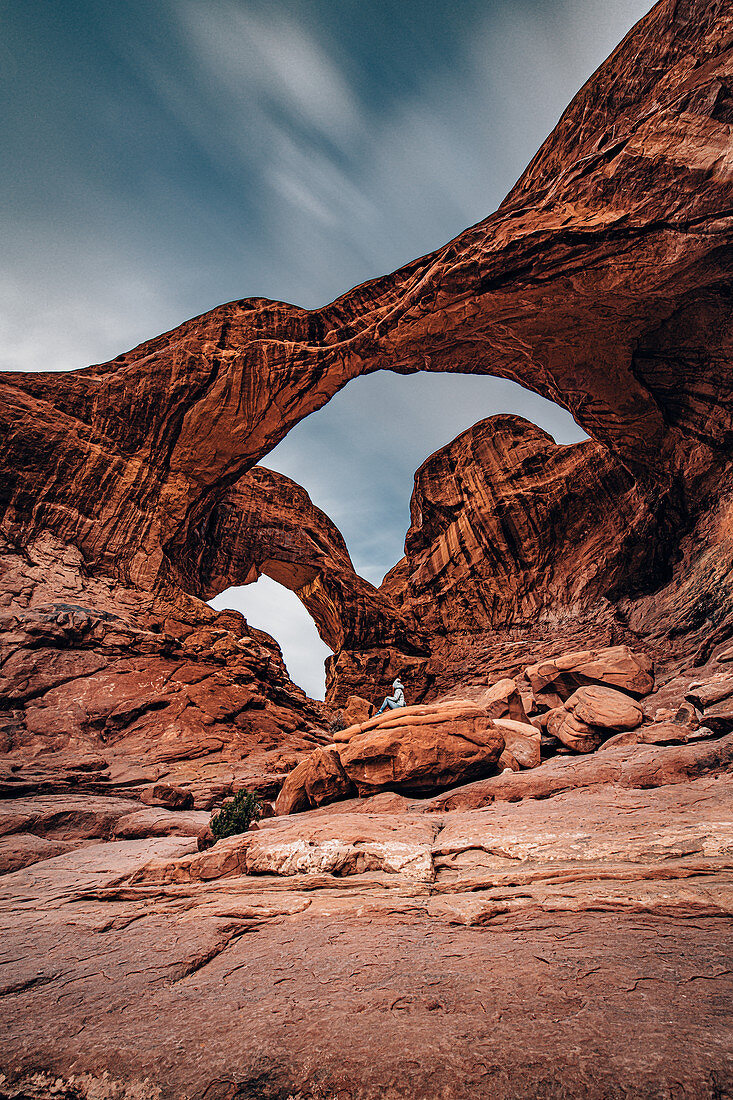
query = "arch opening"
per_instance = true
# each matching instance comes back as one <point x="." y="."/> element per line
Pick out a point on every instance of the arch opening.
<point x="269" y="606"/>
<point x="357" y="456"/>
<point x="353" y="465"/>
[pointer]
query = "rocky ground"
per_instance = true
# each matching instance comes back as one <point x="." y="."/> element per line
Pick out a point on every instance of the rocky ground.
<point x="576" y="944"/>
<point x="559" y="930"/>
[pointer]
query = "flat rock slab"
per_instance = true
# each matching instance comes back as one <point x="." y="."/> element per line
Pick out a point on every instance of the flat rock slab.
<point x="396" y="954"/>
<point x="23" y="849"/>
<point x="348" y="844"/>
<point x="307" y="844"/>
<point x="74" y="874"/>
<point x="593" y="828"/>
<point x="392" y="1005"/>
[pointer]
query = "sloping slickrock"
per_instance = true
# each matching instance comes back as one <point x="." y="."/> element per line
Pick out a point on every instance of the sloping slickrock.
<point x="317" y="844"/>
<point x="593" y="906"/>
<point x="151" y="823"/>
<point x="22" y="849"/>
<point x="72" y="875"/>
<point x="646" y="766"/>
<point x="348" y="844"/>
<point x="66" y="816"/>
<point x="592" y="830"/>
<point x="37" y="829"/>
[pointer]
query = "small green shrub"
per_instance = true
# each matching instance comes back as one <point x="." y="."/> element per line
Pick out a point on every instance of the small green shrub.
<point x="236" y="816"/>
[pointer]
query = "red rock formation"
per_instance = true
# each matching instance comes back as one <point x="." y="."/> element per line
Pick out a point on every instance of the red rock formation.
<point x="266" y="523"/>
<point x="127" y="493"/>
<point x="603" y="282"/>
<point x="104" y="685"/>
<point x="415" y="749"/>
<point x="507" y="526"/>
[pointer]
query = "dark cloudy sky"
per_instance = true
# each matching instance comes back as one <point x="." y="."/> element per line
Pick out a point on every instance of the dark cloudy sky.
<point x="160" y="157"/>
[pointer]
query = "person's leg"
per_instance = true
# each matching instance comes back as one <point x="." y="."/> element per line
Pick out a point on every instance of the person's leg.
<point x="382" y="709"/>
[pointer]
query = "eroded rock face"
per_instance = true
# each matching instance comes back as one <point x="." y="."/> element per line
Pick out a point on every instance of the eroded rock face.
<point x="387" y="913"/>
<point x="502" y="530"/>
<point x="614" y="667"/>
<point x="590" y="714"/>
<point x="129" y="491"/>
<point x="106" y="686"/>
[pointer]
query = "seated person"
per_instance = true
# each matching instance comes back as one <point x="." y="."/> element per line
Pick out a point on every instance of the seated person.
<point x="394" y="701"/>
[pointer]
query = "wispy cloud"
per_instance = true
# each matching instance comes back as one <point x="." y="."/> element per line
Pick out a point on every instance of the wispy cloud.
<point x="273" y="64"/>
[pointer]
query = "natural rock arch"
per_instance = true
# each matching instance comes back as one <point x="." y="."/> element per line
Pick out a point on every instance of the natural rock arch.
<point x="602" y="282"/>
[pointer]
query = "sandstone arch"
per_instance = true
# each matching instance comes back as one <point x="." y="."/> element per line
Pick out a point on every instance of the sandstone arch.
<point x="267" y="523"/>
<point x="602" y="282"/>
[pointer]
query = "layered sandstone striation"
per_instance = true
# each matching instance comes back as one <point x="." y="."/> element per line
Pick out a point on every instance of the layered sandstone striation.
<point x="320" y="953"/>
<point x="106" y="686"/>
<point x="562" y="620"/>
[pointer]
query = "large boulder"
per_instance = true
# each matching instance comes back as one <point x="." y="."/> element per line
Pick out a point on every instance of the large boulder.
<point x="317" y="780"/>
<point x="554" y="680"/>
<point x="590" y="715"/>
<point x="421" y="758"/>
<point x="503" y="700"/>
<point x="414" y="750"/>
<point x="521" y="740"/>
<point x="357" y="710"/>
